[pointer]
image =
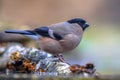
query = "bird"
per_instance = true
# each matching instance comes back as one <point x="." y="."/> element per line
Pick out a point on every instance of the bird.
<point x="57" y="38"/>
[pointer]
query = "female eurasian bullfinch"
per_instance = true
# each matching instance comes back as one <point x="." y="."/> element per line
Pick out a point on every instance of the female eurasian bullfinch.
<point x="57" y="38"/>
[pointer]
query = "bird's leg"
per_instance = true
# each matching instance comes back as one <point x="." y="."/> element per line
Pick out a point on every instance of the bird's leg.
<point x="60" y="57"/>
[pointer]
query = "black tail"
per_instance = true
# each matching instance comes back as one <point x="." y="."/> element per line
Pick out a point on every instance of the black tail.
<point x="24" y="32"/>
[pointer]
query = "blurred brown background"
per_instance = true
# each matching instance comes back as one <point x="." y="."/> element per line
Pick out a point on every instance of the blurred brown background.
<point x="45" y="12"/>
<point x="100" y="43"/>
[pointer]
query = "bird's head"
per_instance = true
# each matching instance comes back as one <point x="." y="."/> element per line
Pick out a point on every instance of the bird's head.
<point x="80" y="22"/>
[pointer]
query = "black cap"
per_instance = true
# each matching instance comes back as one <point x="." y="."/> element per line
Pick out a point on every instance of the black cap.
<point x="79" y="21"/>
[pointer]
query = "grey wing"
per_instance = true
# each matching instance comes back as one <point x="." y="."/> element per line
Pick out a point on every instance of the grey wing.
<point x="61" y="28"/>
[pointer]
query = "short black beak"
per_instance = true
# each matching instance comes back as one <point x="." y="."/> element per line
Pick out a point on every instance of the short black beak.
<point x="85" y="26"/>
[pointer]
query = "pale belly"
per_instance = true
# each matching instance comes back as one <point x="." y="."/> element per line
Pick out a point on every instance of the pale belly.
<point x="55" y="47"/>
<point x="50" y="45"/>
